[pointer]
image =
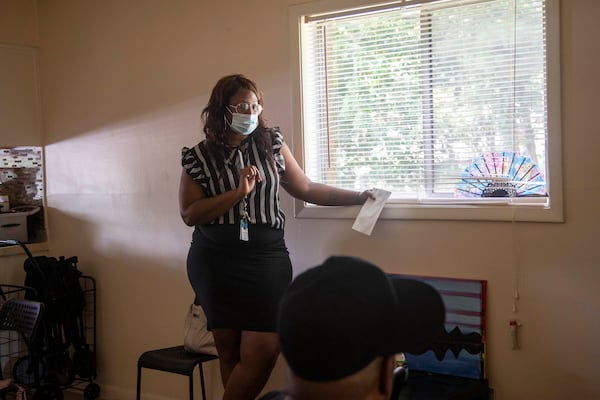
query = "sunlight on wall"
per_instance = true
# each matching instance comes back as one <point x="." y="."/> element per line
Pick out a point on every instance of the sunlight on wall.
<point x="118" y="178"/>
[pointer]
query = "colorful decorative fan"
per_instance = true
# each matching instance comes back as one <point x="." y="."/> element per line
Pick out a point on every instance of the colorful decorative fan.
<point x="501" y="174"/>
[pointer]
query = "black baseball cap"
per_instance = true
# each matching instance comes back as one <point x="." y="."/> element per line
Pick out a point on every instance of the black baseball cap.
<point x="335" y="318"/>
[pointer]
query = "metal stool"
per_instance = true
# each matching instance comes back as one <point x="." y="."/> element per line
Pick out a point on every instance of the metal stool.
<point x="175" y="360"/>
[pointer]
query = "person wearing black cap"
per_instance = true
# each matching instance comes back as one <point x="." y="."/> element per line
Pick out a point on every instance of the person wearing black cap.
<point x="341" y="324"/>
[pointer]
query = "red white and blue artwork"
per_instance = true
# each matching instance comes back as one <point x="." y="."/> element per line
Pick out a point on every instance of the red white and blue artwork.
<point x="461" y="351"/>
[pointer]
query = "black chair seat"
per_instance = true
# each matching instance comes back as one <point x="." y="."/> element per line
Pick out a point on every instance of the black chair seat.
<point x="175" y="360"/>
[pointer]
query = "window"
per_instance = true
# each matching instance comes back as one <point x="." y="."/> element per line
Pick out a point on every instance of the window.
<point x="451" y="105"/>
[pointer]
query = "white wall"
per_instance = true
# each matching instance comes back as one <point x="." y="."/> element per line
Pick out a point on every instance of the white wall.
<point x="123" y="84"/>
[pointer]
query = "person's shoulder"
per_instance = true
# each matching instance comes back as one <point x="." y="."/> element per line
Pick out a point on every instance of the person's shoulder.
<point x="276" y="135"/>
<point x="275" y="395"/>
<point x="276" y="131"/>
<point x="194" y="149"/>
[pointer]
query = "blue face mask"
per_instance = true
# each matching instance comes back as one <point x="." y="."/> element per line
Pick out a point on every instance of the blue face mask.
<point x="244" y="124"/>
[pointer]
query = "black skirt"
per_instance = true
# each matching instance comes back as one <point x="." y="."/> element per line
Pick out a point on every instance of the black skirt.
<point x="239" y="284"/>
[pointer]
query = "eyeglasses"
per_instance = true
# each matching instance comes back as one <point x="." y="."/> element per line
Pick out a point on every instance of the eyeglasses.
<point x="247" y="108"/>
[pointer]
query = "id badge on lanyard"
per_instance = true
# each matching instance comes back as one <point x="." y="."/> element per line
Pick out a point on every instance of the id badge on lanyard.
<point x="244" y="229"/>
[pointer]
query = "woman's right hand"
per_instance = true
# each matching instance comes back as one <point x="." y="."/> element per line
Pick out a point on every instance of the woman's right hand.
<point x="248" y="178"/>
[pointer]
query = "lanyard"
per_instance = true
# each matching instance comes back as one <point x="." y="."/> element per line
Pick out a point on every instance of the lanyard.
<point x="244" y="234"/>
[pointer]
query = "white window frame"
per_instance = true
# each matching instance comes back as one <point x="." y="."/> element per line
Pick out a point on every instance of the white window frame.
<point x="492" y="209"/>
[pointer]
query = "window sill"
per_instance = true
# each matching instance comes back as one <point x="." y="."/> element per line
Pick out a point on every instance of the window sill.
<point x="490" y="211"/>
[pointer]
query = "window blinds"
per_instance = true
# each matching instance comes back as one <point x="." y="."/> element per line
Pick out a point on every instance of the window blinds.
<point x="415" y="96"/>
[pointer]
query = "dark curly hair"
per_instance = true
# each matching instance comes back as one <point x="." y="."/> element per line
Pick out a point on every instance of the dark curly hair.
<point x="213" y="115"/>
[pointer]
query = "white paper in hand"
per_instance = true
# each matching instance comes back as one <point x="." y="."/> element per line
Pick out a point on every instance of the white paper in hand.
<point x="369" y="213"/>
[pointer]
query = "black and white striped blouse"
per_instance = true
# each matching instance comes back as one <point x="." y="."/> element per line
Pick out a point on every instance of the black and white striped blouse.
<point x="220" y="177"/>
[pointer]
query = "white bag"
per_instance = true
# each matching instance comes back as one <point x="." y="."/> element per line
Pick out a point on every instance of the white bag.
<point x="196" y="336"/>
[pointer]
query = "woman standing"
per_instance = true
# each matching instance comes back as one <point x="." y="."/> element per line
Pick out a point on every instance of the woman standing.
<point x="238" y="263"/>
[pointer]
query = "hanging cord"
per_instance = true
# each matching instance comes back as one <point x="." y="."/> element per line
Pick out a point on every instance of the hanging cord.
<point x="516" y="262"/>
<point x="514" y="322"/>
<point x="515" y="230"/>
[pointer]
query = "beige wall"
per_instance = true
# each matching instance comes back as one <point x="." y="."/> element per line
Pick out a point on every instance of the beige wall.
<point x="18" y="22"/>
<point x="123" y="83"/>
